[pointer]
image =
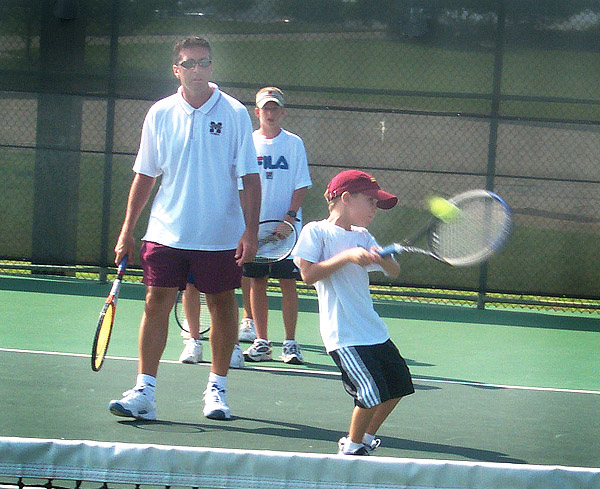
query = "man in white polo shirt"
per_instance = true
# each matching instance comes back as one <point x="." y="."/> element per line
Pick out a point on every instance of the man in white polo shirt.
<point x="199" y="142"/>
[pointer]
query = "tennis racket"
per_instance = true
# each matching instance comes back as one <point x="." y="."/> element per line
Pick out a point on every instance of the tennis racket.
<point x="180" y="314"/>
<point x="276" y="240"/>
<point x="107" y="317"/>
<point x="480" y="228"/>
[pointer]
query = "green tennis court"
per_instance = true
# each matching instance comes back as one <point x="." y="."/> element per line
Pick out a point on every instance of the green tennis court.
<point x="491" y="386"/>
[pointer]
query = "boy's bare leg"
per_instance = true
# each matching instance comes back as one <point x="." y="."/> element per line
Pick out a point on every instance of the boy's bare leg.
<point x="361" y="418"/>
<point x="381" y="413"/>
<point x="289" y="307"/>
<point x="260" y="306"/>
<point x="247" y="309"/>
<point x="191" y="309"/>
<point x="370" y="420"/>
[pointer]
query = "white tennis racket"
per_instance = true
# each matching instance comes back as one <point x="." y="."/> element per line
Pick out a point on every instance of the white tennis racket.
<point x="480" y="227"/>
<point x="276" y="240"/>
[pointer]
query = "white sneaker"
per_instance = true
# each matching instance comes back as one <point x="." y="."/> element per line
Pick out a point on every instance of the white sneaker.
<point x="237" y="357"/>
<point x="192" y="352"/>
<point x="361" y="450"/>
<point x="247" y="332"/>
<point x="291" y="353"/>
<point x="135" y="404"/>
<point x="373" y="446"/>
<point x="215" y="406"/>
<point x="259" y="351"/>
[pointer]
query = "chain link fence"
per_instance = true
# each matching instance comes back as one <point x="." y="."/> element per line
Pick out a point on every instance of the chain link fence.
<point x="430" y="97"/>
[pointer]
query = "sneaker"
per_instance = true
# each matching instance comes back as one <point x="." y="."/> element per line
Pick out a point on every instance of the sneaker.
<point x="291" y="353"/>
<point x="259" y="351"/>
<point x="362" y="450"/>
<point x="192" y="352"/>
<point x="135" y="404"/>
<point x="237" y="358"/>
<point x="215" y="406"/>
<point x="373" y="446"/>
<point x="247" y="332"/>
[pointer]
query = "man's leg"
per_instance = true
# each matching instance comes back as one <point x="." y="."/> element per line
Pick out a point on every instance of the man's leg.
<point x="223" y="329"/>
<point x="140" y="402"/>
<point x="154" y="327"/>
<point x="223" y="336"/>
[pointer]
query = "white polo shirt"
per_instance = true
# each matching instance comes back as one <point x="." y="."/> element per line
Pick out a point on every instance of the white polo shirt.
<point x="200" y="154"/>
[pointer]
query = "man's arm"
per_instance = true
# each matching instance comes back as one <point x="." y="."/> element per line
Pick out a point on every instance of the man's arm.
<point x="250" y="199"/>
<point x="139" y="193"/>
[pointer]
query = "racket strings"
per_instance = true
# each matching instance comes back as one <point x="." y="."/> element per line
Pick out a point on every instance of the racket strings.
<point x="181" y="319"/>
<point x="103" y="336"/>
<point x="474" y="234"/>
<point x="276" y="240"/>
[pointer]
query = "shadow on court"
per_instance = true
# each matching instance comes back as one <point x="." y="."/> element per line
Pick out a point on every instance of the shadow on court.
<point x="299" y="431"/>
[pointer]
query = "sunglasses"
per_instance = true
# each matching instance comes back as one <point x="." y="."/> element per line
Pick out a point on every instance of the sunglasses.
<point x="188" y="64"/>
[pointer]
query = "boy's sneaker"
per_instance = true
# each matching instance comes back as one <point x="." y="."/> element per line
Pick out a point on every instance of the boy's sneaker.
<point x="291" y="353"/>
<point x="215" y="406"/>
<point x="373" y="446"/>
<point x="237" y="358"/>
<point x="135" y="404"/>
<point x="362" y="450"/>
<point x="247" y="331"/>
<point x="192" y="352"/>
<point x="259" y="351"/>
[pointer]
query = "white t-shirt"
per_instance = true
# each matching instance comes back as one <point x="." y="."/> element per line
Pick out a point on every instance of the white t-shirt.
<point x="346" y="313"/>
<point x="283" y="168"/>
<point x="200" y="154"/>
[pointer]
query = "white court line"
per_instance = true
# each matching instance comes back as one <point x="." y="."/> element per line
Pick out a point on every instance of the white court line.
<point x="326" y="373"/>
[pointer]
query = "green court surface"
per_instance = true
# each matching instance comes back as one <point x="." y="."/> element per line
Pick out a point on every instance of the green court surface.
<point x="492" y="386"/>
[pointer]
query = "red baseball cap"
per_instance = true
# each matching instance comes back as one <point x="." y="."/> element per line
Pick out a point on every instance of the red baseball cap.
<point x="358" y="181"/>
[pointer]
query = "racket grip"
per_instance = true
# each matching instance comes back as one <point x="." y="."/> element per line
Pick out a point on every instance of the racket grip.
<point x="389" y="250"/>
<point x="123" y="264"/>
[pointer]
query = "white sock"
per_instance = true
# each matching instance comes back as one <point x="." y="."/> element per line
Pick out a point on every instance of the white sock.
<point x="146" y="383"/>
<point x="217" y="379"/>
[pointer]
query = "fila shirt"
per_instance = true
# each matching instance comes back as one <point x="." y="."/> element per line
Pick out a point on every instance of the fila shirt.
<point x="283" y="168"/>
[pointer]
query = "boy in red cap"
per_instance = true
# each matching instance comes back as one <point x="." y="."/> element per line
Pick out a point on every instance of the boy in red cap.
<point x="336" y="255"/>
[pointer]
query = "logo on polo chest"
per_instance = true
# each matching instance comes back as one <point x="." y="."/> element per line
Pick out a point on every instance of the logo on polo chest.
<point x="215" y="128"/>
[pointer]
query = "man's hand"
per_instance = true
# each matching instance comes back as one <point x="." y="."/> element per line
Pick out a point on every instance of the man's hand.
<point x="246" y="249"/>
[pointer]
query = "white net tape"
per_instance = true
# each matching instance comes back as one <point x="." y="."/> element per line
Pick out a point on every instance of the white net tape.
<point x="159" y="465"/>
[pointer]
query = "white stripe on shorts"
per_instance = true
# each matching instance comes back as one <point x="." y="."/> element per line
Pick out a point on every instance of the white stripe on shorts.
<point x="367" y="390"/>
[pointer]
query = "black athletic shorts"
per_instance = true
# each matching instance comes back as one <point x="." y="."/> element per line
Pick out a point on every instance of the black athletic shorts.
<point x="373" y="374"/>
<point x="280" y="269"/>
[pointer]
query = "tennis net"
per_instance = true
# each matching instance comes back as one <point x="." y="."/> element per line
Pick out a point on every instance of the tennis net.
<point x="31" y="462"/>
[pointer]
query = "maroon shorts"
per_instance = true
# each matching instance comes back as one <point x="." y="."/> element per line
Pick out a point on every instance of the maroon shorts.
<point x="213" y="271"/>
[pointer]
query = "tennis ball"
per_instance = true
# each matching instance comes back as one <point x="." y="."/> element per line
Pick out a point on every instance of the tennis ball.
<point x="442" y="209"/>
